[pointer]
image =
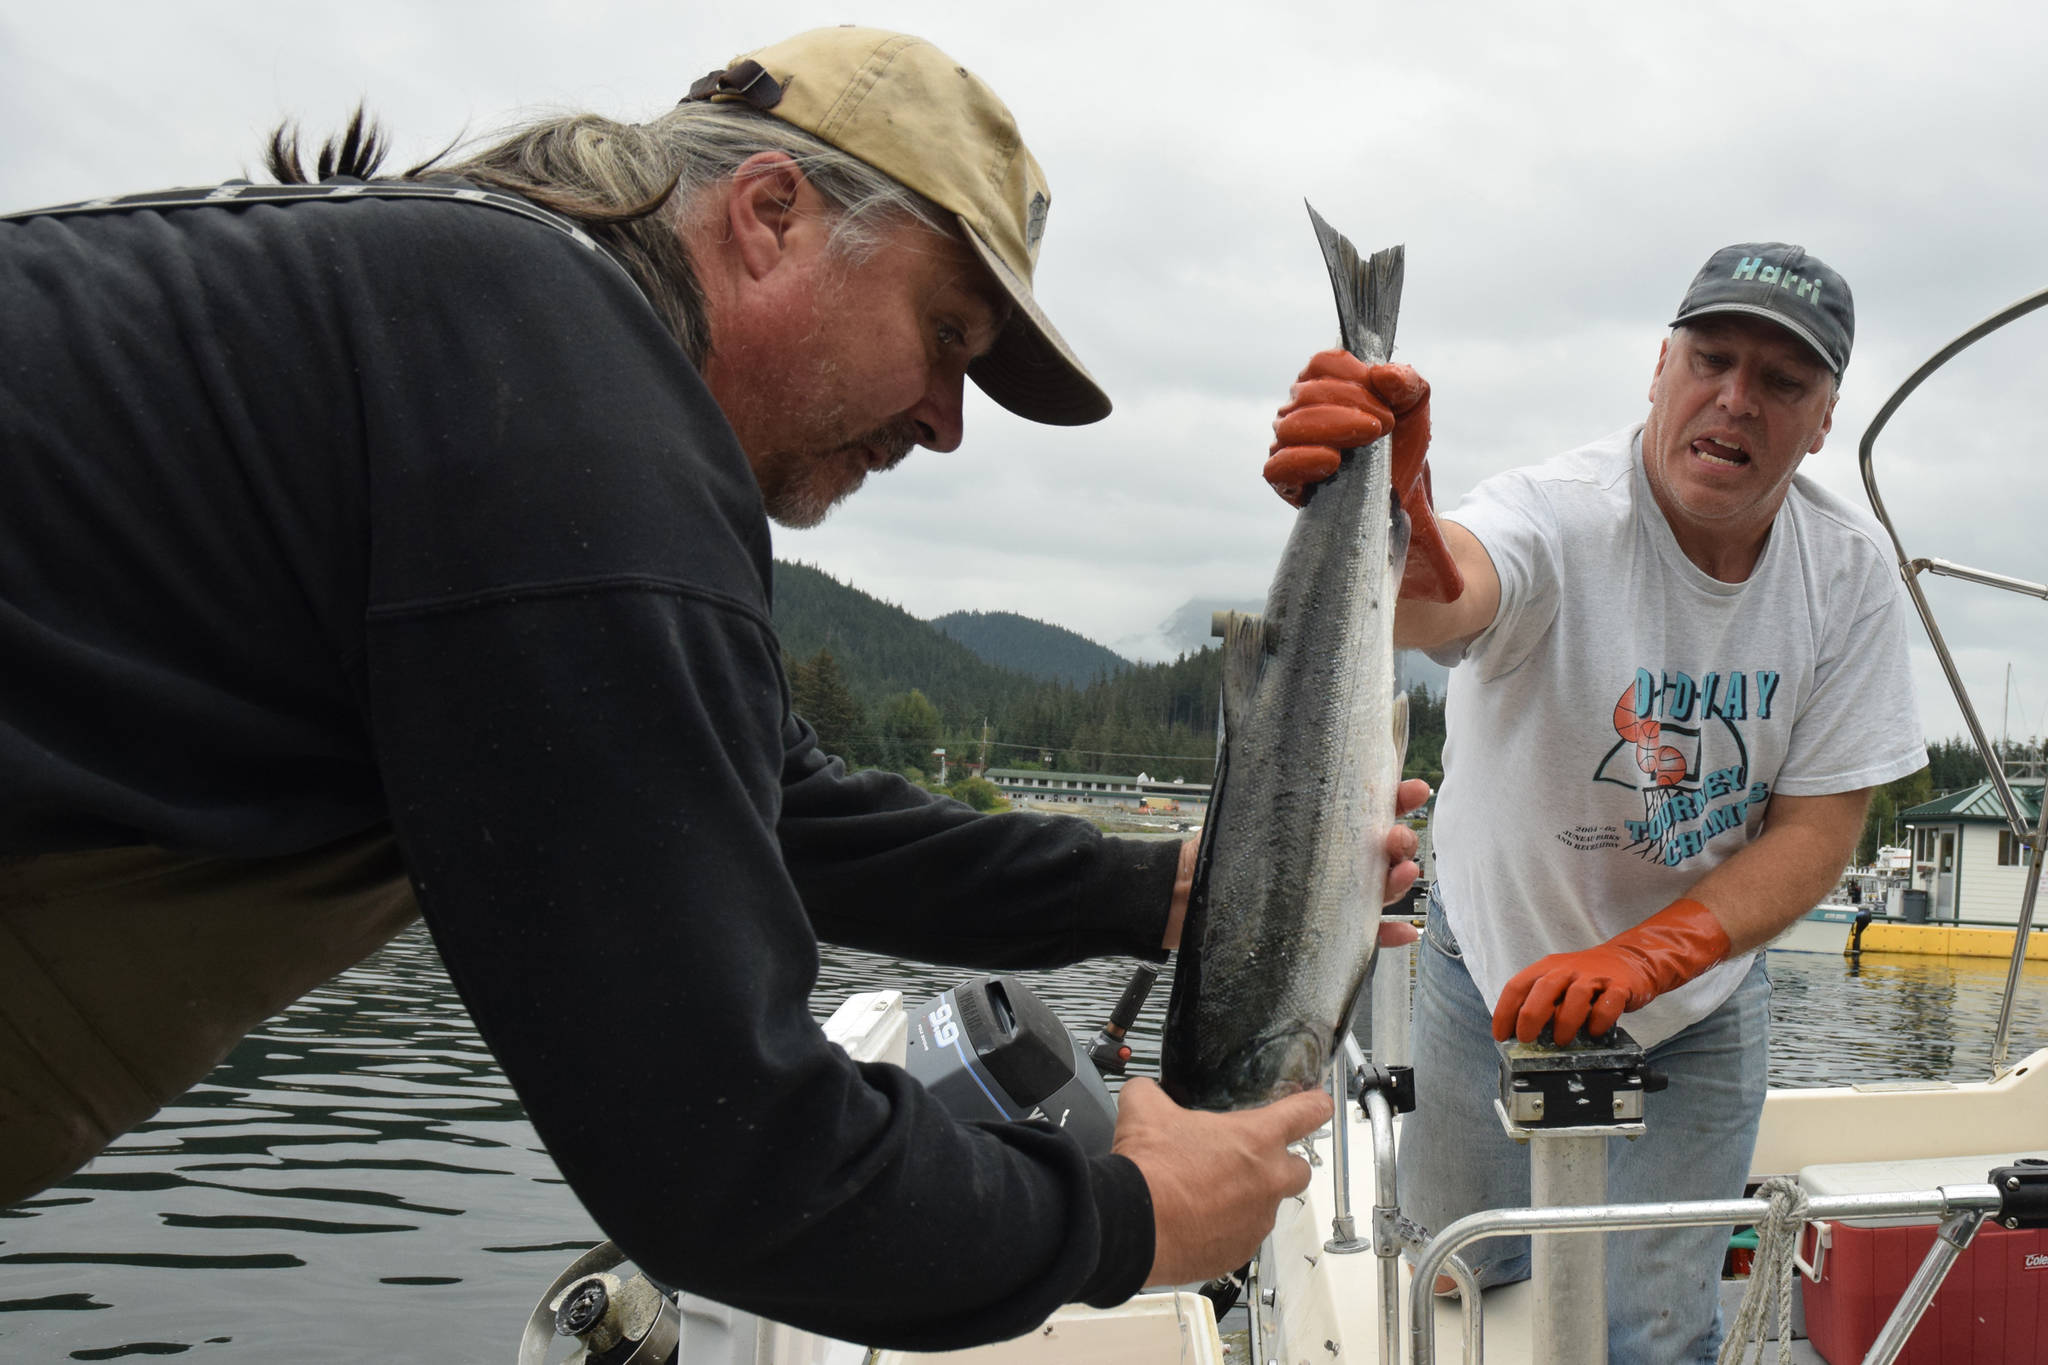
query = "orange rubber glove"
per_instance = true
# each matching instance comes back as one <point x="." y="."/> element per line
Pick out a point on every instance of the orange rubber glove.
<point x="1595" y="986"/>
<point x="1341" y="403"/>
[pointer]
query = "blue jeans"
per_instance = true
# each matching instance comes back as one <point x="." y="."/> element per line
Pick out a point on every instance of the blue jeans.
<point x="1663" y="1286"/>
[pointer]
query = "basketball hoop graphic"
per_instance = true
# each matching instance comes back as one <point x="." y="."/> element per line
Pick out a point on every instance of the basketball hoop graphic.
<point x="1689" y="795"/>
<point x="1664" y="763"/>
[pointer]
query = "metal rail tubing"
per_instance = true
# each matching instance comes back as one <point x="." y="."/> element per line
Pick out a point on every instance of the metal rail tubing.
<point x="1347" y="1061"/>
<point x="1942" y="568"/>
<point x="1386" y="1215"/>
<point x="1949" y="1241"/>
<point x="1907" y="564"/>
<point x="1943" y="1203"/>
<point x="2001" y="1041"/>
<point x="1472" y="1301"/>
<point x="1910" y="570"/>
<point x="1344" y="1236"/>
<point x="1385" y="1210"/>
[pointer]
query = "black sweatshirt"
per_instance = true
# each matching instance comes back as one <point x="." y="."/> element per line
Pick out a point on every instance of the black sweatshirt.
<point x="318" y="516"/>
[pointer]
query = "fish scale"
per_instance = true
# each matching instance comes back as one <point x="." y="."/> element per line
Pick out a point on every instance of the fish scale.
<point x="1283" y="918"/>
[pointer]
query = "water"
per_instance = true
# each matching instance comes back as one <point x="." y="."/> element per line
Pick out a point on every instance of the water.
<point x="357" y="1181"/>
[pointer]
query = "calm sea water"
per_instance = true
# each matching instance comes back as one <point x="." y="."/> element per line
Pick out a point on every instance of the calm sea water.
<point x="357" y="1180"/>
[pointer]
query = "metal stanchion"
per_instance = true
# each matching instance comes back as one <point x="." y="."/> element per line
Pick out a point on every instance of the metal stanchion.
<point x="1386" y="1214"/>
<point x="1382" y="1093"/>
<point x="2022" y="932"/>
<point x="1255" y="1309"/>
<point x="1954" y="1235"/>
<point x="1344" y="1236"/>
<point x="1569" y="1274"/>
<point x="1566" y="1103"/>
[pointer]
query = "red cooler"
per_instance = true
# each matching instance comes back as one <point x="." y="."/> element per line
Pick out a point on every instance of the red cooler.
<point x="1991" y="1310"/>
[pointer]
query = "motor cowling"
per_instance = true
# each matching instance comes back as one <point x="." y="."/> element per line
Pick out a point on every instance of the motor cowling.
<point x="989" y="1048"/>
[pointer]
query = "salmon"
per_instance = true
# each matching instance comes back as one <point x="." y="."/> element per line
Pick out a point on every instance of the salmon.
<point x="1283" y="920"/>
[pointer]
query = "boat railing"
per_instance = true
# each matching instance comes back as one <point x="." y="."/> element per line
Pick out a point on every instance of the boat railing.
<point x="1389" y="1232"/>
<point x="1911" y="568"/>
<point x="1960" y="1209"/>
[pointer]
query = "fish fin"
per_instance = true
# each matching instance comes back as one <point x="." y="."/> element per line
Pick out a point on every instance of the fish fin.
<point x="1399" y="718"/>
<point x="1244" y="659"/>
<point x="1368" y="292"/>
<point x="1400" y="539"/>
<point x="1222" y="759"/>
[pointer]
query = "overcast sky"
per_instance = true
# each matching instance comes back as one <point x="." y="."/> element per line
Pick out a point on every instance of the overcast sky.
<point x="1557" y="172"/>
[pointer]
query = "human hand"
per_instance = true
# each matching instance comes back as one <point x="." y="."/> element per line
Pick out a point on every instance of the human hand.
<point x="1341" y="403"/>
<point x="1595" y="986"/>
<point x="1402" y="845"/>
<point x="1216" y="1179"/>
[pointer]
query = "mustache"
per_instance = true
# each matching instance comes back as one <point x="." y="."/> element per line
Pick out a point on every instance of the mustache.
<point x="892" y="442"/>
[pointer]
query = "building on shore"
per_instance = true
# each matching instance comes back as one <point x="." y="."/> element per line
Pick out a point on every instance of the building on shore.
<point x="1141" y="793"/>
<point x="1184" y="802"/>
<point x="1964" y="855"/>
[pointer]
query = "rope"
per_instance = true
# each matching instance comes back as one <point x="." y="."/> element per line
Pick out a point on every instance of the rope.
<point x="1777" y="1237"/>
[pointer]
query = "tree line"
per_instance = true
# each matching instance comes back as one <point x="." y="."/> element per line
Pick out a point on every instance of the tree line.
<point x="1158" y="719"/>
<point x="885" y="689"/>
<point x="1952" y="764"/>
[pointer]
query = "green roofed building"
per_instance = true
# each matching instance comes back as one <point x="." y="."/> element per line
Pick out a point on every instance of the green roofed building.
<point x="1965" y="855"/>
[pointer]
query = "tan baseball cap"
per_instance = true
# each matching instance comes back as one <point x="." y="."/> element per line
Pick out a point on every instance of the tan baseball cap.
<point x="916" y="115"/>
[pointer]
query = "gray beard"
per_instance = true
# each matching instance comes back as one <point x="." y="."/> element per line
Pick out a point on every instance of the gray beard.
<point x="799" y="491"/>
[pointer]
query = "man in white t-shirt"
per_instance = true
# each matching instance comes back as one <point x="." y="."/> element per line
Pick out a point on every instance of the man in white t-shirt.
<point x="1679" y="670"/>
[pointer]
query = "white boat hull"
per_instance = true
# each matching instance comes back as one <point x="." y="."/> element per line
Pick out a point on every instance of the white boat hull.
<point x="1326" y="1305"/>
<point x="1824" y="929"/>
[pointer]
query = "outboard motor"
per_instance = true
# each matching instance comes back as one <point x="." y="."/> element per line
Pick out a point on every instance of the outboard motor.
<point x="989" y="1048"/>
<point x="614" y="1321"/>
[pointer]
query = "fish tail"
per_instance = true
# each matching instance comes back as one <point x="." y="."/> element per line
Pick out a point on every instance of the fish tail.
<point x="1368" y="292"/>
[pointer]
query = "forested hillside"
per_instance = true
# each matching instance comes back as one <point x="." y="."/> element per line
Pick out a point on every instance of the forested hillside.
<point x="1037" y="649"/>
<point x="886" y="689"/>
<point x="881" y="649"/>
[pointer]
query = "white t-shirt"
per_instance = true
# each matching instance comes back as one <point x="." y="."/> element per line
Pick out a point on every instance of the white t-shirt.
<point x="1621" y="726"/>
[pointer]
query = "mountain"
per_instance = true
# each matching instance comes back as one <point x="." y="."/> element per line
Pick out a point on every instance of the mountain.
<point x="1143" y="717"/>
<point x="1146" y="717"/>
<point x="1038" y="649"/>
<point x="1186" y="631"/>
<point x="881" y="649"/>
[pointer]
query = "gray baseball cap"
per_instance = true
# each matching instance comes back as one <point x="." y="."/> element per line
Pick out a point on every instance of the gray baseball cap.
<point x="1781" y="284"/>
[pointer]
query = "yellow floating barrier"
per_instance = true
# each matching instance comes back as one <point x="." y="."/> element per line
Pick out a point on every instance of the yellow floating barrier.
<point x="1943" y="940"/>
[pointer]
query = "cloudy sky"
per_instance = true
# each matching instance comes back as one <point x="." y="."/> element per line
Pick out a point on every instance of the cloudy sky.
<point x="1557" y="172"/>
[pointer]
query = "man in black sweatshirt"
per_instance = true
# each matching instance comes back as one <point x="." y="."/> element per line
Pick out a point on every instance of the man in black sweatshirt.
<point x="372" y="548"/>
